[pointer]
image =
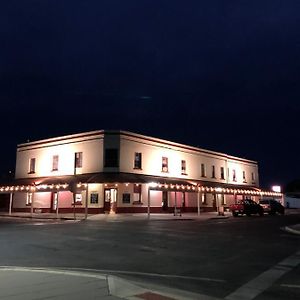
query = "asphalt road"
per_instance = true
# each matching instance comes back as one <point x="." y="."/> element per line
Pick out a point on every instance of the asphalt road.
<point x="212" y="257"/>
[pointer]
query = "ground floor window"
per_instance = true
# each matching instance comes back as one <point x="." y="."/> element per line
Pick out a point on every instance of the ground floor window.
<point x="126" y="198"/>
<point x="94" y="198"/>
<point x="78" y="199"/>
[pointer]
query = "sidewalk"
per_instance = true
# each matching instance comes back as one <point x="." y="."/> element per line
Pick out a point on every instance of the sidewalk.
<point x="117" y="217"/>
<point x="19" y="283"/>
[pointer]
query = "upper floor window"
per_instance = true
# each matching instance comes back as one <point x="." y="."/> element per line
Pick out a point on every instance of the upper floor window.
<point x="203" y="170"/>
<point x="233" y="175"/>
<point x="78" y="160"/>
<point x="137" y="160"/>
<point x="222" y="173"/>
<point x="253" y="176"/>
<point x="55" y="163"/>
<point x="164" y="164"/>
<point x="183" y="167"/>
<point x="111" y="158"/>
<point x="32" y="165"/>
<point x="213" y="172"/>
<point x="244" y="176"/>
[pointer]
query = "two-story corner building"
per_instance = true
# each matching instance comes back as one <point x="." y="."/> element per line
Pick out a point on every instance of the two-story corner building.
<point x="118" y="171"/>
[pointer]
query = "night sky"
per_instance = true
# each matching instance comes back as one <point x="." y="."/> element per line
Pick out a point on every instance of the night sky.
<point x="221" y="75"/>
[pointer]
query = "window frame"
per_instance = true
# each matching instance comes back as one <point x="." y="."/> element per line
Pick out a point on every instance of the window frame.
<point x="203" y="170"/>
<point x="137" y="190"/>
<point x="183" y="167"/>
<point x="32" y="165"/>
<point x="234" y="175"/>
<point x="55" y="162"/>
<point x="164" y="164"/>
<point x="213" y="171"/>
<point x="97" y="198"/>
<point x="244" y="176"/>
<point x="137" y="162"/>
<point x="78" y="159"/>
<point x="222" y="173"/>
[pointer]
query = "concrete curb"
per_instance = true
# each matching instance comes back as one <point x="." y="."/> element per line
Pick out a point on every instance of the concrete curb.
<point x="131" y="290"/>
<point x="112" y="286"/>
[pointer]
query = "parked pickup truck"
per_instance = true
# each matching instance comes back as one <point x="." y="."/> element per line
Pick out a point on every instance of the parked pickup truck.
<point x="246" y="207"/>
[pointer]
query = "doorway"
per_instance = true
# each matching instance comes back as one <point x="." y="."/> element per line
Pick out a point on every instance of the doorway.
<point x="110" y="200"/>
<point x="54" y="201"/>
<point x="165" y="201"/>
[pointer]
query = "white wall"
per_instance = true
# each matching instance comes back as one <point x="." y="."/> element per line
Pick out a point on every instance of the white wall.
<point x="92" y="161"/>
<point x="152" y="153"/>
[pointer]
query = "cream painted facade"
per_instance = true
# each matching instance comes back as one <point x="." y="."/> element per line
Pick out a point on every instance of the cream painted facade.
<point x="116" y="170"/>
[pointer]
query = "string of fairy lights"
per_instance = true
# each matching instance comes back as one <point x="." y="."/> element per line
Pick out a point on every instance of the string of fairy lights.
<point x="152" y="186"/>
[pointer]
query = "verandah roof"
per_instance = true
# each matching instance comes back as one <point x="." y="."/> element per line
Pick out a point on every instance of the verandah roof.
<point x="64" y="183"/>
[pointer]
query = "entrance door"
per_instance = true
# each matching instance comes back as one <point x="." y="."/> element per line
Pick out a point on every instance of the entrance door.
<point x="54" y="201"/>
<point x="165" y="201"/>
<point x="110" y="200"/>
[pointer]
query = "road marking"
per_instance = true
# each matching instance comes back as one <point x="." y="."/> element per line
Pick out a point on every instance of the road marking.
<point x="262" y="282"/>
<point x="51" y="271"/>
<point x="103" y="271"/>
<point x="297" y="286"/>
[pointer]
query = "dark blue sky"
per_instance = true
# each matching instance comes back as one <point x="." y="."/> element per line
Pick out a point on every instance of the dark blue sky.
<point x="222" y="75"/>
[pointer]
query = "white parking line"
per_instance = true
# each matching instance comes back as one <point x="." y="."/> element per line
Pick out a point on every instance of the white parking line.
<point x="262" y="282"/>
<point x="297" y="286"/>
